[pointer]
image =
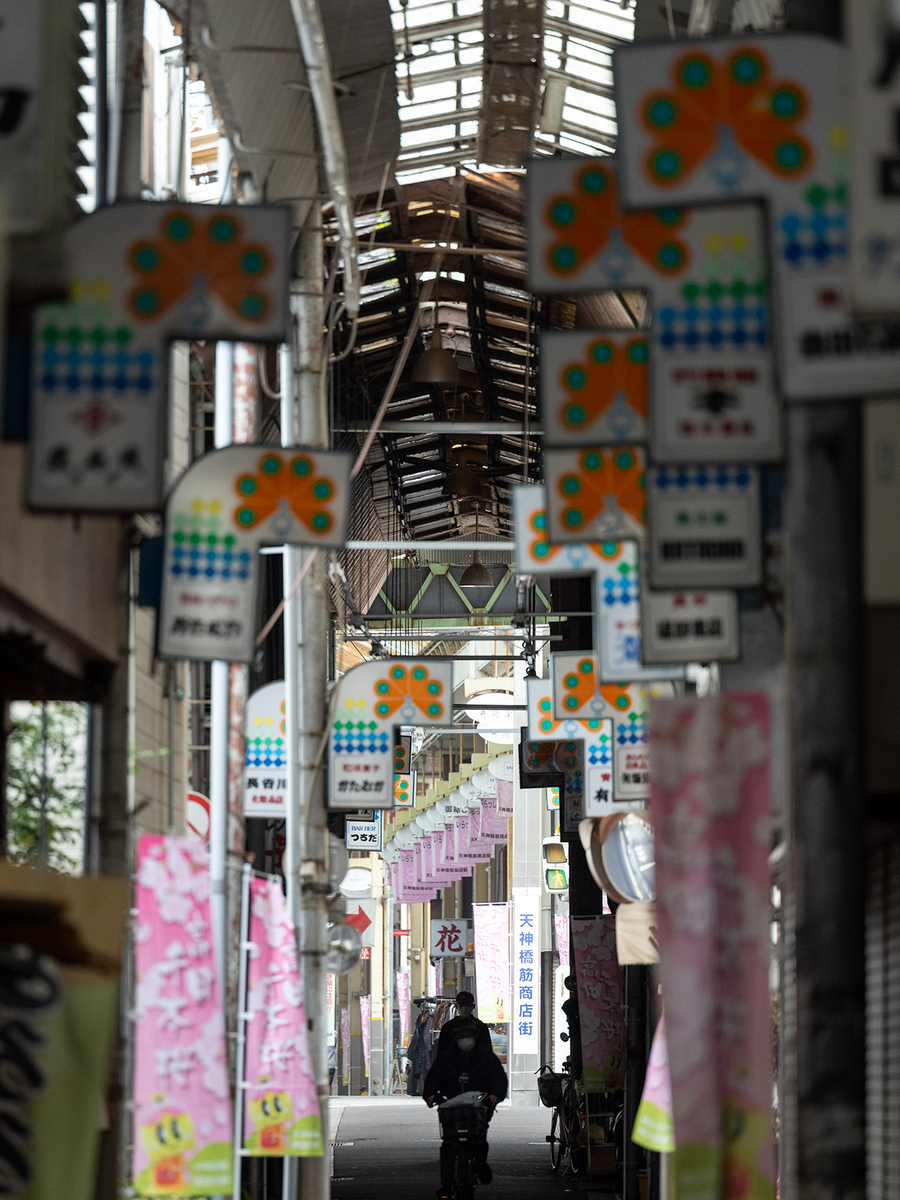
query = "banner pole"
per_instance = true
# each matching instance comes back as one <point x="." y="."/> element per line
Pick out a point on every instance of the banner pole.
<point x="241" y="1042"/>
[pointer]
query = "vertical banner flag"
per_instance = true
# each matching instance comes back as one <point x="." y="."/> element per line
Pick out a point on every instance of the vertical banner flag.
<point x="221" y="511"/>
<point x="711" y="378"/>
<point x="561" y="921"/>
<point x="492" y="962"/>
<point x="141" y="274"/>
<point x="265" y="761"/>
<point x="365" y="1010"/>
<point x="404" y="997"/>
<point x="330" y="991"/>
<point x="526" y="965"/>
<point x="281" y="1104"/>
<point x="601" y="1002"/>
<point x="182" y="1096"/>
<point x="345" y="1046"/>
<point x="763" y="117"/>
<point x="653" y="1123"/>
<point x="370" y="701"/>
<point x="712" y="820"/>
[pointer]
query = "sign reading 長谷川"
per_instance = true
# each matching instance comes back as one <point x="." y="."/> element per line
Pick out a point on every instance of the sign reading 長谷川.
<point x="526" y="1000"/>
<point x="265" y="756"/>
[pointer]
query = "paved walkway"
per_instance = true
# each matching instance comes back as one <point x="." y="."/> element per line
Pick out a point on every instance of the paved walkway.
<point x="386" y="1148"/>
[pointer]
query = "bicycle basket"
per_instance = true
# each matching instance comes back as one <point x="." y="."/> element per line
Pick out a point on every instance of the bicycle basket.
<point x="460" y="1119"/>
<point x="550" y="1089"/>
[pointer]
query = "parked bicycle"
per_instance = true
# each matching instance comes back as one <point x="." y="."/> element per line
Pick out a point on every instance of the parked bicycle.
<point x="464" y="1121"/>
<point x="562" y="1092"/>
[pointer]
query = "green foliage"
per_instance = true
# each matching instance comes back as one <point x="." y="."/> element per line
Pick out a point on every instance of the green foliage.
<point x="66" y="746"/>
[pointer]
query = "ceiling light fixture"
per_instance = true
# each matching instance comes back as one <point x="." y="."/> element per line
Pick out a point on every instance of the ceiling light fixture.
<point x="476" y="574"/>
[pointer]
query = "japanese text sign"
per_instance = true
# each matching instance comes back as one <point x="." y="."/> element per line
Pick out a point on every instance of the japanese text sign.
<point x="181" y="1089"/>
<point x="372" y="700"/>
<point x="752" y="118"/>
<point x="526" y="992"/>
<point x="265" y="756"/>
<point x="619" y="636"/>
<point x="281" y="1104"/>
<point x="601" y="1002"/>
<point x="705" y="527"/>
<point x="712" y="820"/>
<point x="689" y="627"/>
<point x="449" y="938"/>
<point x="140" y="275"/>
<point x="222" y="510"/>
<point x="711" y="377"/>
<point x="363" y="835"/>
<point x="492" y="962"/>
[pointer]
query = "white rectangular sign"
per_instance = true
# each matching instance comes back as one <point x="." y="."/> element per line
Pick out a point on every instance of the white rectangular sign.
<point x="449" y="938"/>
<point x="618" y="633"/>
<point x="704" y="527"/>
<point x="526" y="999"/>
<point x="364" y="835"/>
<point x="265" y="753"/>
<point x="690" y="626"/>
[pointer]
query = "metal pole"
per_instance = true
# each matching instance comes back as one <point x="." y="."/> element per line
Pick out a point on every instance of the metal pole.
<point x="243" y="1016"/>
<point x="130" y="97"/>
<point x="218" y="707"/>
<point x="315" y="1181"/>
<point x="101" y="105"/>
<point x="170" y="760"/>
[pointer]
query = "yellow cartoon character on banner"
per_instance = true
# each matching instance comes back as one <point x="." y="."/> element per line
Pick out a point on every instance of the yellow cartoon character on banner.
<point x="166" y="1139"/>
<point x="272" y="1115"/>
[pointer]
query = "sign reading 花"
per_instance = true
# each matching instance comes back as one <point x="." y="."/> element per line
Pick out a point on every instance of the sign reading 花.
<point x="223" y="508"/>
<point x="141" y="274"/>
<point x="690" y="627"/>
<point x="704" y="527"/>
<point x="371" y="700"/>
<point x="706" y="360"/>
<point x="526" y="998"/>
<point x="765" y="117"/>
<point x="265" y="758"/>
<point x="364" y="835"/>
<point x="449" y="938"/>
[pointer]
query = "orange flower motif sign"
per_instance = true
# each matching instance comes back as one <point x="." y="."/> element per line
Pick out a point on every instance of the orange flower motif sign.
<point x="594" y="387"/>
<point x="291" y="484"/>
<point x="534" y="552"/>
<point x="409" y="688"/>
<point x="595" y="495"/>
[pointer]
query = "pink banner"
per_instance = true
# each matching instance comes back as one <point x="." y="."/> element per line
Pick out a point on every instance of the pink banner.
<point x="345" y="1046"/>
<point x="182" y="1095"/>
<point x="505" y="796"/>
<point x="492" y="962"/>
<point x="281" y="1106"/>
<point x="601" y="1002"/>
<point x="711" y="809"/>
<point x="404" y="999"/>
<point x="653" y="1123"/>
<point x="365" y="1010"/>
<point x="561" y="921"/>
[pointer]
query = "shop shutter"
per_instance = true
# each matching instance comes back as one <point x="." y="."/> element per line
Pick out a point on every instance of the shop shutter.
<point x="883" y="1022"/>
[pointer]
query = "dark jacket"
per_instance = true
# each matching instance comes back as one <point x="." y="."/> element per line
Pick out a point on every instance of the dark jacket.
<point x="482" y="1067"/>
<point x="482" y="1037"/>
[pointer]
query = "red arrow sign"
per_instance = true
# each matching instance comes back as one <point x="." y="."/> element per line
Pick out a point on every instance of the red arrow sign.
<point x="359" y="920"/>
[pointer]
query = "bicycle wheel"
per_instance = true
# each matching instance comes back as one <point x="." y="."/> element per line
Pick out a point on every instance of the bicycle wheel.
<point x="556" y="1143"/>
<point x="463" y="1178"/>
<point x="577" y="1153"/>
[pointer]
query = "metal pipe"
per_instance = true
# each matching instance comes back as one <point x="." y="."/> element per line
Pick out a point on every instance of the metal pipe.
<point x="240" y="1085"/>
<point x="43" y="831"/>
<point x="311" y="36"/>
<point x="476" y="428"/>
<point x="101" y="105"/>
<point x="130" y="97"/>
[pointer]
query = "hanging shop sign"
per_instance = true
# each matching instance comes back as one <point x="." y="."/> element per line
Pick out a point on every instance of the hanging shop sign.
<point x="141" y="274"/>
<point x="265" y="756"/>
<point x="552" y="799"/>
<point x="871" y="33"/>
<point x="704" y="527"/>
<point x="364" y="835"/>
<point x="690" y="627"/>
<point x="403" y="755"/>
<point x="712" y="814"/>
<point x="601" y="1002"/>
<point x="280" y="1099"/>
<point x="711" y="378"/>
<point x="405" y="790"/>
<point x="594" y="387"/>
<point x="596" y="495"/>
<point x="570" y="756"/>
<point x="763" y="118"/>
<point x="534" y="553"/>
<point x="223" y="508"/>
<point x="181" y="1088"/>
<point x="537" y="765"/>
<point x="526" y="995"/>
<point x="492" y="965"/>
<point x="371" y="700"/>
<point x="449" y="938"/>
<point x="618" y="628"/>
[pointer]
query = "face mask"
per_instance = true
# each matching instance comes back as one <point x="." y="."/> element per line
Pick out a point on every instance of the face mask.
<point x="466" y="1044"/>
<point x="464" y="1010"/>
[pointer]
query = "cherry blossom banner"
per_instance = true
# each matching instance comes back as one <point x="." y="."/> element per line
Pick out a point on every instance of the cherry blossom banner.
<point x="492" y="962"/>
<point x="281" y="1114"/>
<point x="711" y="807"/>
<point x="365" y="1013"/>
<point x="561" y="921"/>
<point x="601" y="1002"/>
<point x="403" y="1003"/>
<point x="345" y="1046"/>
<point x="181" y="1090"/>
<point x="653" y="1123"/>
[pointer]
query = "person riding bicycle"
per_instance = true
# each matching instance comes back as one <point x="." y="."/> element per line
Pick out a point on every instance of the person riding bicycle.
<point x="465" y="1010"/>
<point x="465" y="1067"/>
